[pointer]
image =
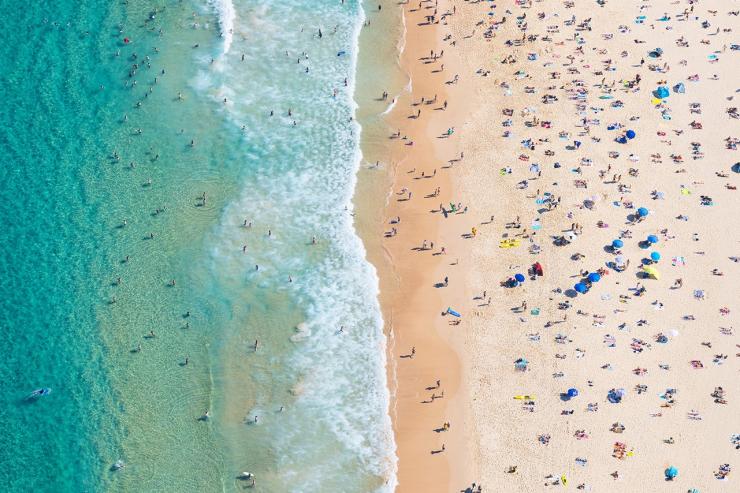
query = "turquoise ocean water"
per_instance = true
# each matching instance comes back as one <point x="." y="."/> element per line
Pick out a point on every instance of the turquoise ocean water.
<point x="135" y="140"/>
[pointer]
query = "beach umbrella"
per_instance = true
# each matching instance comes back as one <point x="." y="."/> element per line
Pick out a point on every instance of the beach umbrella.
<point x="642" y="212"/>
<point x="615" y="396"/>
<point x="679" y="88"/>
<point x="519" y="277"/>
<point x="651" y="271"/>
<point x="617" y="243"/>
<point x="736" y="167"/>
<point x="655" y="256"/>
<point x="661" y="92"/>
<point x="652" y="239"/>
<point x="572" y="393"/>
<point x="594" y="277"/>
<point x="619" y="260"/>
<point x="630" y="134"/>
<point x="580" y="288"/>
<point x="671" y="473"/>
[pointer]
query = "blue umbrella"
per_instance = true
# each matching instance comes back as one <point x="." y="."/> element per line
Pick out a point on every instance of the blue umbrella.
<point x="572" y="393"/>
<point x="652" y="239"/>
<point x="655" y="256"/>
<point x="671" y="473"/>
<point x="642" y="212"/>
<point x="594" y="277"/>
<point x="617" y="243"/>
<point x="736" y="167"/>
<point x="580" y="287"/>
<point x="631" y="134"/>
<point x="662" y="92"/>
<point x="519" y="277"/>
<point x="615" y="396"/>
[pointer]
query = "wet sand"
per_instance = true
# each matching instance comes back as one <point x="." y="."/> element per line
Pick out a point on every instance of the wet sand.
<point x="408" y="272"/>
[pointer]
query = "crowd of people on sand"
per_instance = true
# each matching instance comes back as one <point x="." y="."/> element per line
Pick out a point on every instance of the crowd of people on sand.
<point x="581" y="165"/>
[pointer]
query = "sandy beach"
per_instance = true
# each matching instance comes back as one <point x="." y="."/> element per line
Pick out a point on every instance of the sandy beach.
<point x="424" y="367"/>
<point x="560" y="246"/>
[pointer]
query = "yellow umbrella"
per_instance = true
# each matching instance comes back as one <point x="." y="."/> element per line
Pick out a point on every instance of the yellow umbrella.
<point x="651" y="271"/>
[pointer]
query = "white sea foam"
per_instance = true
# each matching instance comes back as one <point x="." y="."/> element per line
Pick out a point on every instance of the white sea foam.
<point x="226" y="16"/>
<point x="299" y="181"/>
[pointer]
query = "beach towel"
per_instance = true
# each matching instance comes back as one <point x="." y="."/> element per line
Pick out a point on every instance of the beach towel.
<point x="509" y="243"/>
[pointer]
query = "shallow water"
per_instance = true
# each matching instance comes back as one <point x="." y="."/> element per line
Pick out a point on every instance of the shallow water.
<point x="76" y="208"/>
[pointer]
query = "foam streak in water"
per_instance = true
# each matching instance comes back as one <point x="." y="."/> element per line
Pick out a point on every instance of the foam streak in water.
<point x="226" y="17"/>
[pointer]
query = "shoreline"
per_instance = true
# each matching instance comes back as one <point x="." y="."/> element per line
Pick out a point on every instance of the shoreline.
<point x="409" y="300"/>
